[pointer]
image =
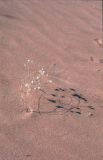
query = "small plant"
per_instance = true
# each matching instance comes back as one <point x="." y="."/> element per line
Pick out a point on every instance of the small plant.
<point x="40" y="93"/>
<point x="33" y="85"/>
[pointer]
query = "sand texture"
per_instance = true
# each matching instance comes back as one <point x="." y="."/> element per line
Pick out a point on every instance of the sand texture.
<point x="51" y="80"/>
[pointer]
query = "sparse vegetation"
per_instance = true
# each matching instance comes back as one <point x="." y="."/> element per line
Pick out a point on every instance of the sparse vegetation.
<point x="34" y="94"/>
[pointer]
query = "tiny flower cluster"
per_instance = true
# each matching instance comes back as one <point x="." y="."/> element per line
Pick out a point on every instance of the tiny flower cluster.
<point x="35" y="81"/>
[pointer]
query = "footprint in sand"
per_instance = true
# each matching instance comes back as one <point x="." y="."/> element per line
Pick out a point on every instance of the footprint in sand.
<point x="98" y="42"/>
<point x="93" y="59"/>
<point x="97" y="62"/>
<point x="101" y="61"/>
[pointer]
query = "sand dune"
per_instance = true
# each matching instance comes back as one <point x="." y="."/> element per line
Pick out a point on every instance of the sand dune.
<point x="51" y="73"/>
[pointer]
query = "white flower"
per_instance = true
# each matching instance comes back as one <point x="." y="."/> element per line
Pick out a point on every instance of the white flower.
<point x="38" y="87"/>
<point x="42" y="72"/>
<point x="27" y="85"/>
<point x="32" y="82"/>
<point x="37" y="77"/>
<point x="28" y="60"/>
<point x="50" y="81"/>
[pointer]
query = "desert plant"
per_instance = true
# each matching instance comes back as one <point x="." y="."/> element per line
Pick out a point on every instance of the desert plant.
<point x="33" y="85"/>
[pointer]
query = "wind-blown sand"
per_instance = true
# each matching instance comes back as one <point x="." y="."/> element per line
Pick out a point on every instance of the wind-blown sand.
<point x="62" y="33"/>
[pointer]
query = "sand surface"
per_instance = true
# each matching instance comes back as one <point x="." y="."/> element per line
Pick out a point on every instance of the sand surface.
<point x="51" y="80"/>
